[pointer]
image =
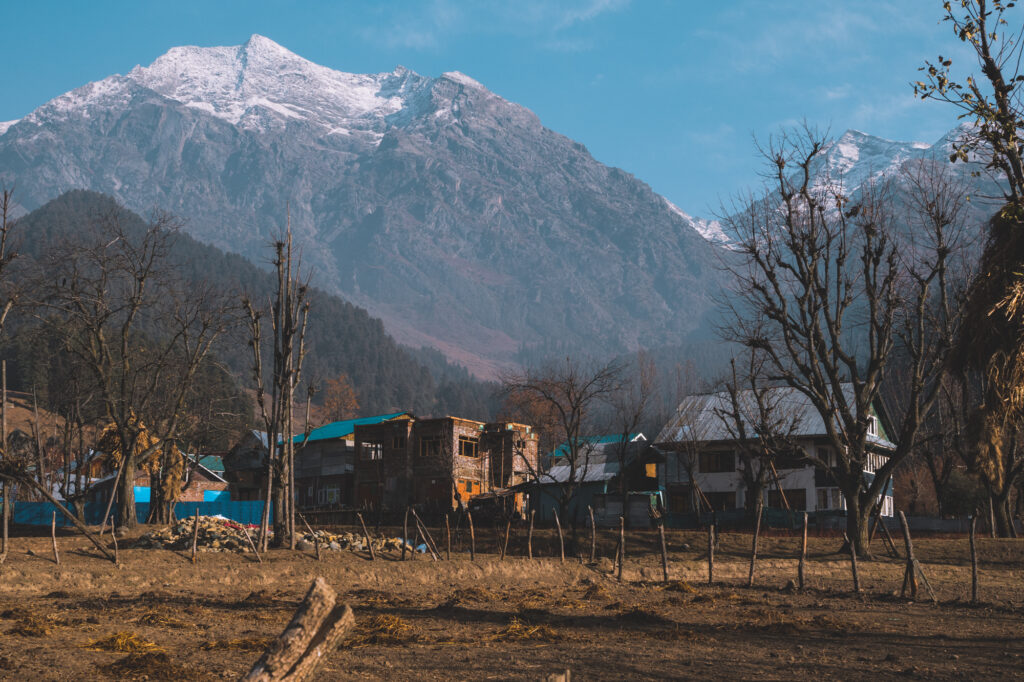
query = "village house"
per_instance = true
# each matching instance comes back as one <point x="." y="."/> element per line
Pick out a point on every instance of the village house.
<point x="595" y="481"/>
<point x="325" y="461"/>
<point x="439" y="464"/>
<point x="245" y="467"/>
<point x="698" y="441"/>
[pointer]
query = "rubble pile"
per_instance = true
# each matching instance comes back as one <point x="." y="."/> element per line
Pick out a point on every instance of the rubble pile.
<point x="351" y="541"/>
<point x="218" y="534"/>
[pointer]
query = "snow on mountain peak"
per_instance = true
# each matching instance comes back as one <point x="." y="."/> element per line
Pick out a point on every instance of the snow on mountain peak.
<point x="242" y="84"/>
<point x="4" y="125"/>
<point x="462" y="79"/>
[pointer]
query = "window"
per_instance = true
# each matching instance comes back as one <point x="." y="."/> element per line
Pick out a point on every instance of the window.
<point x="796" y="497"/>
<point x="371" y="451"/>
<point x="873" y="426"/>
<point x="469" y="487"/>
<point x="398" y="442"/>
<point x="792" y="459"/>
<point x="716" y="462"/>
<point x="721" y="501"/>
<point x="467" y="446"/>
<point x="830" y="498"/>
<point x="651" y="470"/>
<point x="430" y="446"/>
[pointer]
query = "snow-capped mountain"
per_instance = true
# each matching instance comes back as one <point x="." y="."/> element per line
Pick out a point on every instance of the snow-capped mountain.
<point x="446" y="210"/>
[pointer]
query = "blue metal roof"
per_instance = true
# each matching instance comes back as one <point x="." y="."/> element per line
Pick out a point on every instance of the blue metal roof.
<point x="344" y="428"/>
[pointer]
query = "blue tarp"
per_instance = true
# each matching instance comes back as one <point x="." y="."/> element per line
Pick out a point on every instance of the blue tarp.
<point x="216" y="496"/>
<point x="40" y="513"/>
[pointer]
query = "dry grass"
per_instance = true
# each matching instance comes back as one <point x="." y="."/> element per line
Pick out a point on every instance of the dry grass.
<point x="157" y="619"/>
<point x="241" y="644"/>
<point x="127" y="642"/>
<point x="153" y="665"/>
<point x="519" y="630"/>
<point x="31" y="624"/>
<point x="679" y="586"/>
<point x="596" y="591"/>
<point x="381" y="630"/>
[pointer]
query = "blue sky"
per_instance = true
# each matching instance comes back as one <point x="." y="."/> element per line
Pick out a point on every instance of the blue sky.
<point x="673" y="92"/>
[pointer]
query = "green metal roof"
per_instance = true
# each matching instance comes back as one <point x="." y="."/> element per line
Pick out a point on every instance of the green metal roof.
<point x="345" y="428"/>
<point x="213" y="463"/>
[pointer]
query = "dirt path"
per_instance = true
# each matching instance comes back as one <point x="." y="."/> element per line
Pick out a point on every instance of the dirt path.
<point x="516" y="619"/>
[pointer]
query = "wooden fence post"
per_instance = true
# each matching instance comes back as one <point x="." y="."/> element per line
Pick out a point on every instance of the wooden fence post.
<point x="316" y="539"/>
<point x="853" y="562"/>
<point x="593" y="535"/>
<point x="53" y="536"/>
<point x="252" y="545"/>
<point x="504" y="547"/>
<point x="561" y="542"/>
<point x="428" y="539"/>
<point x="366" y="534"/>
<point x="405" y="531"/>
<point x="447" y="538"/>
<point x="472" y="537"/>
<point x="803" y="556"/>
<point x="711" y="554"/>
<point x="622" y="544"/>
<point x="753" y="549"/>
<point x="195" y="533"/>
<point x="529" y="536"/>
<point x="664" y="550"/>
<point x="909" y="575"/>
<point x="974" y="560"/>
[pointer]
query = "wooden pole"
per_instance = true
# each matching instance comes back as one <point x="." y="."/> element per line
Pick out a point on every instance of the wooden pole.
<point x="561" y="542"/>
<point x="622" y="544"/>
<point x="803" y="556"/>
<point x="529" y="536"/>
<point x="252" y="545"/>
<point x="48" y="496"/>
<point x="53" y="536"/>
<point x="593" y="535"/>
<point x="991" y="517"/>
<point x="664" y="550"/>
<point x="427" y="537"/>
<point x="405" y="531"/>
<point x="472" y="537"/>
<point x="853" y="563"/>
<point x="711" y="554"/>
<point x="316" y="540"/>
<point x="753" y="549"/>
<point x="113" y="536"/>
<point x="447" y="538"/>
<point x="195" y="533"/>
<point x="974" y="560"/>
<point x="910" y="575"/>
<point x="504" y="547"/>
<point x="366" y="534"/>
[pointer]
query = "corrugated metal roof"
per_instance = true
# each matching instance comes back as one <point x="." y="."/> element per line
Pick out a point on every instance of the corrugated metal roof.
<point x="698" y="417"/>
<point x="214" y="463"/>
<point x="599" y="464"/>
<point x="596" y="443"/>
<point x="344" y="429"/>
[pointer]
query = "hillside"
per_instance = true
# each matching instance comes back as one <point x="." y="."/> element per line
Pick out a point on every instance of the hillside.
<point x="341" y="337"/>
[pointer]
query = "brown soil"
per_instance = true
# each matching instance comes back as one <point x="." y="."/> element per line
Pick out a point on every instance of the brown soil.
<point x="161" y="617"/>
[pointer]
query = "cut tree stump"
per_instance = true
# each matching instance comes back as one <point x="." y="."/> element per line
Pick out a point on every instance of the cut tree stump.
<point x="314" y="631"/>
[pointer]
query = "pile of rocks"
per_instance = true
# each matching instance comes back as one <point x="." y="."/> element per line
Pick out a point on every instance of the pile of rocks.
<point x="216" y="534"/>
<point x="351" y="541"/>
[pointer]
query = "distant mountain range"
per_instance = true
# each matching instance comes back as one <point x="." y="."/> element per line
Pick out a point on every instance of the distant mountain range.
<point x="452" y="214"/>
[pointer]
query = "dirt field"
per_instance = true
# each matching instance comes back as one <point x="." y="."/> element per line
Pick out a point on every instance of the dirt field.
<point x="517" y="619"/>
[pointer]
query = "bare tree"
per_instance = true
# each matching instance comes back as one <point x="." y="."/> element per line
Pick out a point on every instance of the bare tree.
<point x="762" y="420"/>
<point x="289" y="315"/>
<point x="991" y="343"/>
<point x="574" y="390"/>
<point x="827" y="290"/>
<point x="630" y="404"/>
<point x="138" y="331"/>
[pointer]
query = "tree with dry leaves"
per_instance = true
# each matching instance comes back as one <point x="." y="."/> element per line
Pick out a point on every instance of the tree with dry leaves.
<point x="340" y="401"/>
